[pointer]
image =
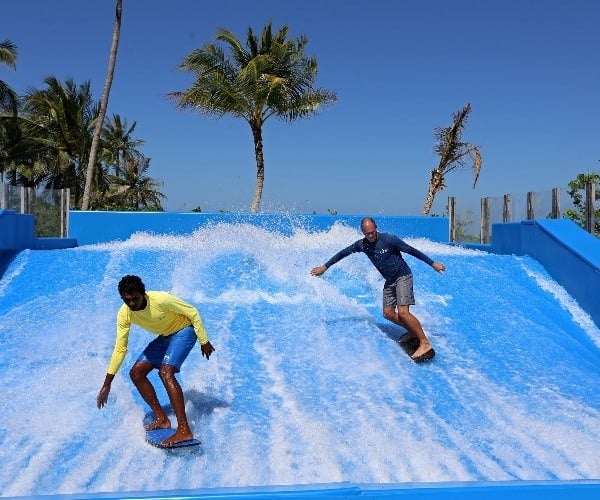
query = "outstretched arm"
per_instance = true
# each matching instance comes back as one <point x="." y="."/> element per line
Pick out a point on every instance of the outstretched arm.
<point x="317" y="271"/>
<point x="402" y="246"/>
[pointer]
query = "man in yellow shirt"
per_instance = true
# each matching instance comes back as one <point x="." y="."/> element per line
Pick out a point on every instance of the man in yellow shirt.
<point x="177" y="325"/>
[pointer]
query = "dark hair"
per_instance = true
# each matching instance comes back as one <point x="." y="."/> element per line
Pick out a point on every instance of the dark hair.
<point x="131" y="284"/>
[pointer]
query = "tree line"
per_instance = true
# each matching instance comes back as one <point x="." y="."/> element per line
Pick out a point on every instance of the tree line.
<point x="45" y="142"/>
<point x="56" y="136"/>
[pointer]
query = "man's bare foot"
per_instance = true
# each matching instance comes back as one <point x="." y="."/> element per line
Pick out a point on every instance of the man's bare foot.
<point x="178" y="437"/>
<point x="423" y="348"/>
<point x="158" y="423"/>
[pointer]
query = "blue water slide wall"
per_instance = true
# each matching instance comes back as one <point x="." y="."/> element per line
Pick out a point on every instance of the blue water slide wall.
<point x="17" y="232"/>
<point x="569" y="254"/>
<point x="99" y="227"/>
<point x="500" y="490"/>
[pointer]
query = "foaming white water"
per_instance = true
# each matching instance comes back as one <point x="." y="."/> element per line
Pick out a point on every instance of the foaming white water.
<point x="581" y="317"/>
<point x="307" y="383"/>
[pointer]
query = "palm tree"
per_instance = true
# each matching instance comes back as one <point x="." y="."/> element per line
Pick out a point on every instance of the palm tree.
<point x="118" y="148"/>
<point x="267" y="77"/>
<point x="48" y="144"/>
<point x="8" y="57"/>
<point x="118" y="143"/>
<point x="8" y="102"/>
<point x="21" y="159"/>
<point x="89" y="177"/>
<point x="57" y="122"/>
<point x="10" y="135"/>
<point x="453" y="153"/>
<point x="132" y="189"/>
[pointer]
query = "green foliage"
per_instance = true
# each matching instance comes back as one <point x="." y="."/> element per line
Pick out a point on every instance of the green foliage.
<point x="121" y="207"/>
<point x="577" y="193"/>
<point x="47" y="218"/>
<point x="461" y="228"/>
<point x="47" y="146"/>
<point x="8" y="57"/>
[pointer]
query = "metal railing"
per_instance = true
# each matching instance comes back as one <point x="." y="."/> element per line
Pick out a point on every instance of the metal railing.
<point x="473" y="222"/>
<point x="50" y="208"/>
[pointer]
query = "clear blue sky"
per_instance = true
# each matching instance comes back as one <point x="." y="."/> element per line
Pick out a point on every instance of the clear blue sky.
<point x="530" y="69"/>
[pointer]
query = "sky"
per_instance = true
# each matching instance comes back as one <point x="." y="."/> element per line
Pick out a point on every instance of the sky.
<point x="400" y="69"/>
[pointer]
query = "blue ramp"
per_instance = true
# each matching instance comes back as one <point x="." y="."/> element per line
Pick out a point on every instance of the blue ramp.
<point x="308" y="385"/>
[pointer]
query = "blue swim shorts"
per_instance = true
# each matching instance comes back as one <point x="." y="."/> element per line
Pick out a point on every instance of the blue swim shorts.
<point x="171" y="350"/>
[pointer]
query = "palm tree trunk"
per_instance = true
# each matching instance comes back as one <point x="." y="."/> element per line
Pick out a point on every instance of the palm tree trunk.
<point x="260" y="168"/>
<point x="436" y="183"/>
<point x="428" y="200"/>
<point x="103" y="105"/>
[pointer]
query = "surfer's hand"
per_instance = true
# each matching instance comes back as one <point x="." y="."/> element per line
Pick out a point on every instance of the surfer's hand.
<point x="317" y="271"/>
<point x="207" y="349"/>
<point x="102" y="396"/>
<point x="439" y="267"/>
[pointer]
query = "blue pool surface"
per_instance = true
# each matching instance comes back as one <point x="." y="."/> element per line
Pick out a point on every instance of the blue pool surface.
<point x="308" y="384"/>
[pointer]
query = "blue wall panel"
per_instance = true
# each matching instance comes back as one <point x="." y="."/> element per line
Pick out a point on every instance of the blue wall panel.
<point x="16" y="230"/>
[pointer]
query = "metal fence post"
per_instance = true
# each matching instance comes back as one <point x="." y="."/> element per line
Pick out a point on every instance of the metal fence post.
<point x="590" y="203"/>
<point x="530" y="205"/>
<point x="25" y="200"/>
<point x="4" y="196"/>
<point x="555" y="203"/>
<point x="506" y="212"/>
<point x="451" y="218"/>
<point x="30" y="198"/>
<point x="65" y="195"/>
<point x="485" y="220"/>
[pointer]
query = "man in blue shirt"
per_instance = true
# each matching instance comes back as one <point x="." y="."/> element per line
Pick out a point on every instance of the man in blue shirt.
<point x="385" y="252"/>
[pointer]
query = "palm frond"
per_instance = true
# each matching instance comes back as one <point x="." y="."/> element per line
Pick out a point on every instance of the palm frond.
<point x="453" y="153"/>
<point x="8" y="53"/>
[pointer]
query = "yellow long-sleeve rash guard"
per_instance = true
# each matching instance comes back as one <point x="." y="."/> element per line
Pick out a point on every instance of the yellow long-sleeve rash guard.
<point x="164" y="314"/>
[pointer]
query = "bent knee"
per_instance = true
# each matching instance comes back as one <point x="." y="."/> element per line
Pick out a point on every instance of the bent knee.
<point x="139" y="370"/>
<point x="404" y="313"/>
<point x="135" y="373"/>
<point x="389" y="313"/>
<point x="166" y="371"/>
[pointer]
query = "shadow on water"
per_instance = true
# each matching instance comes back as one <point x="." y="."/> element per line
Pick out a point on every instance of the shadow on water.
<point x="391" y="331"/>
<point x="6" y="257"/>
<point x="203" y="405"/>
<point x="395" y="333"/>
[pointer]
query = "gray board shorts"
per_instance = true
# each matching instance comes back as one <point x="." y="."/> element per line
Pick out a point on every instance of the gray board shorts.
<point x="400" y="292"/>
